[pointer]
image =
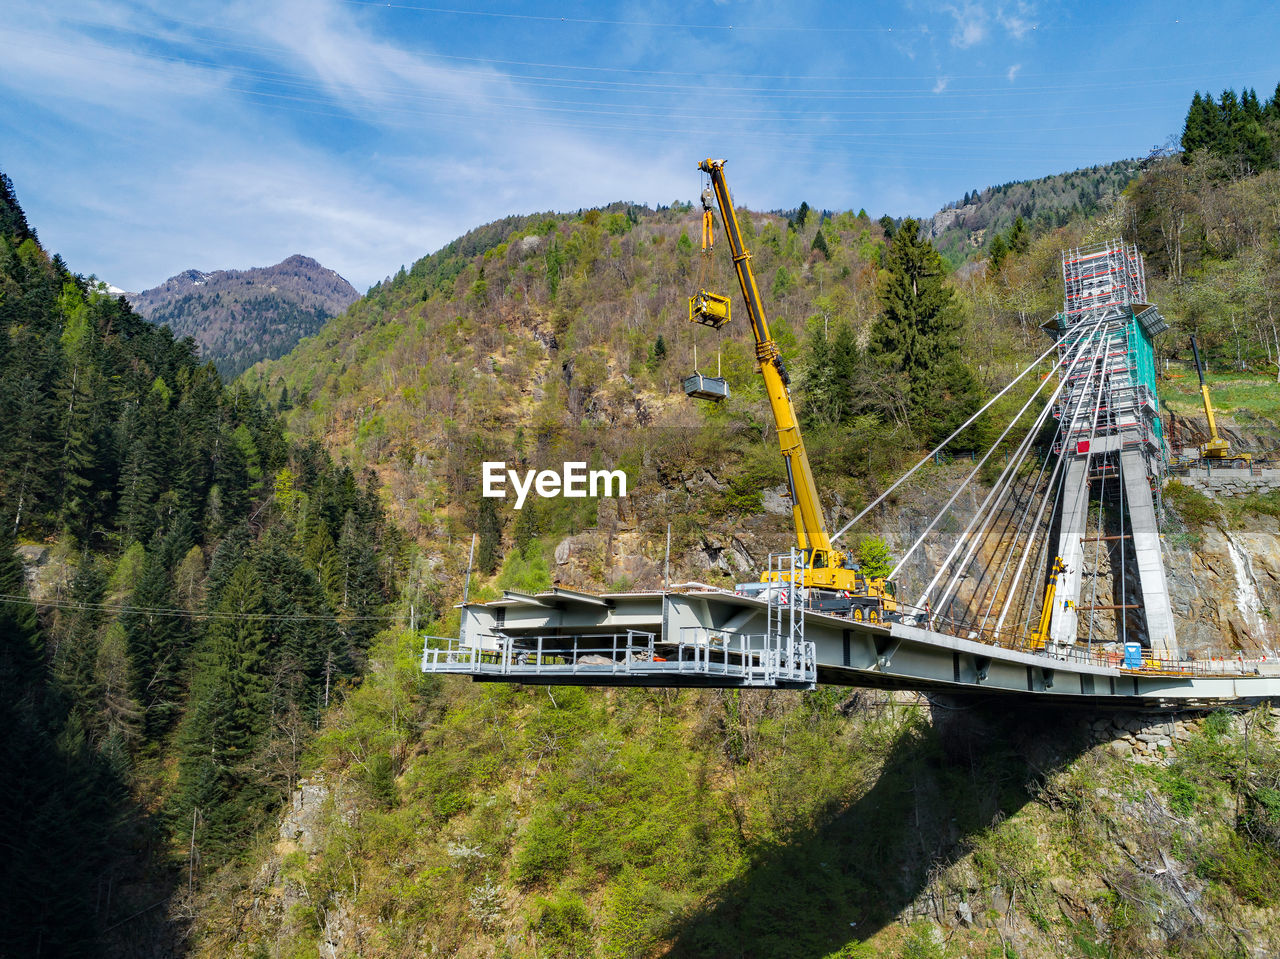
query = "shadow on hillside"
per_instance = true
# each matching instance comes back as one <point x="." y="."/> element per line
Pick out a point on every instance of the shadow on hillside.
<point x="855" y="872"/>
<point x="82" y="869"/>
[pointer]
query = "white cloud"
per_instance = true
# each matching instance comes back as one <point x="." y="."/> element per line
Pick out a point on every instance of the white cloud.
<point x="1014" y="71"/>
<point x="941" y="84"/>
<point x="973" y="21"/>
<point x="971" y="24"/>
<point x="1018" y="20"/>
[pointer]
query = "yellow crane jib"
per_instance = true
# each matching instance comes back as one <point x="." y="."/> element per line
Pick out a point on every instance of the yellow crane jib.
<point x="826" y="569"/>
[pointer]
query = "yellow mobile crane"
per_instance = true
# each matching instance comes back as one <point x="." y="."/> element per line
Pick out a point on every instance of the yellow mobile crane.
<point x="1217" y="449"/>
<point x="836" y="584"/>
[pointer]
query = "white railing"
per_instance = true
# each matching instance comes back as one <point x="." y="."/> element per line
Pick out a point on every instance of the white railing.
<point x="715" y="656"/>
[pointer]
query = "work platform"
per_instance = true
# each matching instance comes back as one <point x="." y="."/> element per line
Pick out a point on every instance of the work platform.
<point x="700" y="636"/>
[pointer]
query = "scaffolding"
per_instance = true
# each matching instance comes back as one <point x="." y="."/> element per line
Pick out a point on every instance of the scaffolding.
<point x="1111" y="427"/>
<point x="1111" y="403"/>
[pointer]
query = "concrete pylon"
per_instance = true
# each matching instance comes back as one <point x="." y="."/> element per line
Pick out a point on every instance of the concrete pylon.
<point x="1075" y="511"/>
<point x="1146" y="548"/>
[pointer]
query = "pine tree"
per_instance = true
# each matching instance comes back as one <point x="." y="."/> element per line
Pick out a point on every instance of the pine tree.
<point x="489" y="536"/>
<point x="996" y="255"/>
<point x="156" y="640"/>
<point x="917" y="335"/>
<point x="13" y="222"/>
<point x="659" y="349"/>
<point x="1019" y="240"/>
<point x="1230" y="132"/>
<point x="226" y="717"/>
<point x="1198" y="130"/>
<point x="820" y="244"/>
<point x="21" y="644"/>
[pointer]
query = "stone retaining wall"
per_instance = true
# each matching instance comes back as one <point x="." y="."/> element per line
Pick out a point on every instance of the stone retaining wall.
<point x="1221" y="481"/>
<point x="1148" y="738"/>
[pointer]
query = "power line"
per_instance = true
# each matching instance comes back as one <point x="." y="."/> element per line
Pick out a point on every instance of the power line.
<point x="16" y="600"/>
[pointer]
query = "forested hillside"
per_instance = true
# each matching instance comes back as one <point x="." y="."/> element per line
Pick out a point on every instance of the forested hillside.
<point x="480" y="820"/>
<point x="238" y="317"/>
<point x="203" y="589"/>
<point x="985" y="222"/>
<point x="210" y="567"/>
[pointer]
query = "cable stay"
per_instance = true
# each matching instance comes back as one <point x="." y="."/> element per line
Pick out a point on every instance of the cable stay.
<point x="943" y="445"/>
<point x="974" y="472"/>
<point x="999" y="492"/>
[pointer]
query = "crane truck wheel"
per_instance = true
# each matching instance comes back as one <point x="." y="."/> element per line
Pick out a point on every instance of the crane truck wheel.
<point x="873" y="615"/>
<point x="857" y="613"/>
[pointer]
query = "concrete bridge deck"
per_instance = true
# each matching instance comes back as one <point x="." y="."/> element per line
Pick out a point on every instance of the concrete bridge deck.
<point x="710" y="637"/>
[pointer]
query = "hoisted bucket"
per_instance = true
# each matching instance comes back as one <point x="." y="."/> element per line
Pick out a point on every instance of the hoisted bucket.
<point x="701" y="387"/>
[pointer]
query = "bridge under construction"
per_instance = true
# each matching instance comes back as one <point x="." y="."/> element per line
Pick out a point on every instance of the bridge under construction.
<point x="704" y="637"/>
<point x="1006" y="610"/>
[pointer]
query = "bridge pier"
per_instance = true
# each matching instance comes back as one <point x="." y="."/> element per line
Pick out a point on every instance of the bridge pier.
<point x="1146" y="547"/>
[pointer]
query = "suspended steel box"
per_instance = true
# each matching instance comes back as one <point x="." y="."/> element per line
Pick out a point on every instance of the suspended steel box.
<point x="709" y="309"/>
<point x="701" y="387"/>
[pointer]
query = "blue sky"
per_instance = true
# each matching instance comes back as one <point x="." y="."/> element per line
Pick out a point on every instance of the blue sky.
<point x="147" y="138"/>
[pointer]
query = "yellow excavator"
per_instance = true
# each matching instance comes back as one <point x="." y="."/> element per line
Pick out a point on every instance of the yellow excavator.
<point x="1217" y="449"/>
<point x="835" y="584"/>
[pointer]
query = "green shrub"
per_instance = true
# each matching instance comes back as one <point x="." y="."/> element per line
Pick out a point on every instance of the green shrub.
<point x="1251" y="872"/>
<point x="380" y="779"/>
<point x="543" y="852"/>
<point x="564" y="925"/>
<point x="1183" y="795"/>
<point x="1194" y="507"/>
<point x="922" y="942"/>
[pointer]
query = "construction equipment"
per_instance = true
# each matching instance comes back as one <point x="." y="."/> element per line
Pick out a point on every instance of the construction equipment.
<point x="702" y="387"/>
<point x="709" y="309"/>
<point x="1046" y="611"/>
<point x="834" y="581"/>
<point x="1217" y="449"/>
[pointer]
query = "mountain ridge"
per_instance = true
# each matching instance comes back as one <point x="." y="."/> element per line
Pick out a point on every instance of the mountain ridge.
<point x="238" y="317"/>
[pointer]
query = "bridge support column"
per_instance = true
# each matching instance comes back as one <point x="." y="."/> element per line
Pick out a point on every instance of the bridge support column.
<point x="1146" y="547"/>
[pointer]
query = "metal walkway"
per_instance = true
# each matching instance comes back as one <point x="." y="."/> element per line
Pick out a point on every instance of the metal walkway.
<point x="709" y="637"/>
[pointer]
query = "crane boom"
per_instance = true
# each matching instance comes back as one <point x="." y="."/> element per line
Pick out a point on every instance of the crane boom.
<point x="1217" y="448"/>
<point x="811" y="531"/>
<point x="838" y="586"/>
